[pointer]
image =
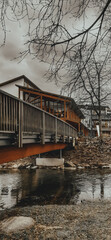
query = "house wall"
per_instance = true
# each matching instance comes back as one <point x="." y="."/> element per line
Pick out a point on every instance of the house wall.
<point x="72" y="116"/>
<point x="11" y="88"/>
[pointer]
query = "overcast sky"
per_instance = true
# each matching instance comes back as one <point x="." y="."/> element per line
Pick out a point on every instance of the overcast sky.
<point x="11" y="67"/>
<point x="31" y="68"/>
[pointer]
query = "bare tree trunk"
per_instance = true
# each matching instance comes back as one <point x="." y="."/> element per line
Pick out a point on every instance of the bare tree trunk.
<point x="99" y="104"/>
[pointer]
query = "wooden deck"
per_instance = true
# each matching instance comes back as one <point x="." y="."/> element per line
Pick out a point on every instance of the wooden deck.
<point x="22" y="124"/>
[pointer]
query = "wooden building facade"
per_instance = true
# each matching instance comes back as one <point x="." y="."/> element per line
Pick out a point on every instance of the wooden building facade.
<point x="61" y="106"/>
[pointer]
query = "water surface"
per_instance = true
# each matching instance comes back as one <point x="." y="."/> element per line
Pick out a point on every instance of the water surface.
<point x="44" y="186"/>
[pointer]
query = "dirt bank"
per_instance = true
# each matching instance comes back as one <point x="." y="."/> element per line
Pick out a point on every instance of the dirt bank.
<point x="88" y="220"/>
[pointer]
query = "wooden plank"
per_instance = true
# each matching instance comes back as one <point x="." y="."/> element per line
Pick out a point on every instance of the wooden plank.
<point x="44" y="95"/>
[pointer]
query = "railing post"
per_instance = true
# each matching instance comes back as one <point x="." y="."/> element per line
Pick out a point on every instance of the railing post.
<point x="69" y="135"/>
<point x="55" y="130"/>
<point x="20" y="126"/>
<point x="0" y="111"/>
<point x="64" y="132"/>
<point x="43" y="128"/>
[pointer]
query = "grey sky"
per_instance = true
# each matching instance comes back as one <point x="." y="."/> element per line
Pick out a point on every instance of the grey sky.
<point x="11" y="67"/>
<point x="33" y="69"/>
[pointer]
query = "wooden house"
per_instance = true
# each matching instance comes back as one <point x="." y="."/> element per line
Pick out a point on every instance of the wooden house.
<point x="61" y="106"/>
<point x="10" y="85"/>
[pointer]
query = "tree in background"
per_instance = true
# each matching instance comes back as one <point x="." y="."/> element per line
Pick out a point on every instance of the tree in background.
<point x="92" y="86"/>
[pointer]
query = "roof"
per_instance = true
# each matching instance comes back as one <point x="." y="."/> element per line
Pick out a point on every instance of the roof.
<point x="74" y="106"/>
<point x="91" y="107"/>
<point x="18" y="78"/>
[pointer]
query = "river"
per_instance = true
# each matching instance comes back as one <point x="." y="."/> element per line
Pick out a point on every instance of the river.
<point x="45" y="186"/>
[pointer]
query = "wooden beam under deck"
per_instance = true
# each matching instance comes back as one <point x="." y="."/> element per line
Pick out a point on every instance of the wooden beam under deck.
<point x="48" y="96"/>
<point x="8" y="154"/>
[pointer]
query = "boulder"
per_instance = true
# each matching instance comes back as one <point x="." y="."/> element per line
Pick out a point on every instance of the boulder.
<point x="14" y="224"/>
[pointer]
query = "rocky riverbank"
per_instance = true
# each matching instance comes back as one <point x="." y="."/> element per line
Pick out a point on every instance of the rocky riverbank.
<point x="88" y="220"/>
<point x="89" y="153"/>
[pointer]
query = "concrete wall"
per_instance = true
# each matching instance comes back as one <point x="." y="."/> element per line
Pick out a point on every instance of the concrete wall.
<point x="50" y="162"/>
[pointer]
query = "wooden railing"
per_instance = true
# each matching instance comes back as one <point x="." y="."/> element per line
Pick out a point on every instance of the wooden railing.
<point x="24" y="119"/>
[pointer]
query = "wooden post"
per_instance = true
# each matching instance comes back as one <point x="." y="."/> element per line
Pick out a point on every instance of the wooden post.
<point x="44" y="104"/>
<point x="60" y="153"/>
<point x="43" y="128"/>
<point x="79" y="127"/>
<point x="20" y="130"/>
<point x="64" y="109"/>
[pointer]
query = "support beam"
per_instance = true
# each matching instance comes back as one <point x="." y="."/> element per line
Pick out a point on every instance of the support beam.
<point x="79" y="128"/>
<point x="60" y="153"/>
<point x="8" y="154"/>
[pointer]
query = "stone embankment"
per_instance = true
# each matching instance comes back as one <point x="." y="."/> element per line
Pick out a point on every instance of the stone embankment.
<point x="28" y="163"/>
<point x="89" y="153"/>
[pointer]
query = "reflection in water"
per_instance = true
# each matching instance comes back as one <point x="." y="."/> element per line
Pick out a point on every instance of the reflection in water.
<point x="42" y="186"/>
<point x="10" y="193"/>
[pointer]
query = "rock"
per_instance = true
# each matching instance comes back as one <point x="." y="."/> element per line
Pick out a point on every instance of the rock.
<point x="80" y="167"/>
<point x="105" y="166"/>
<point x="70" y="168"/>
<point x="15" y="166"/>
<point x="69" y="164"/>
<point x="33" y="167"/>
<point x="109" y="166"/>
<point x="28" y="167"/>
<point x="14" y="224"/>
